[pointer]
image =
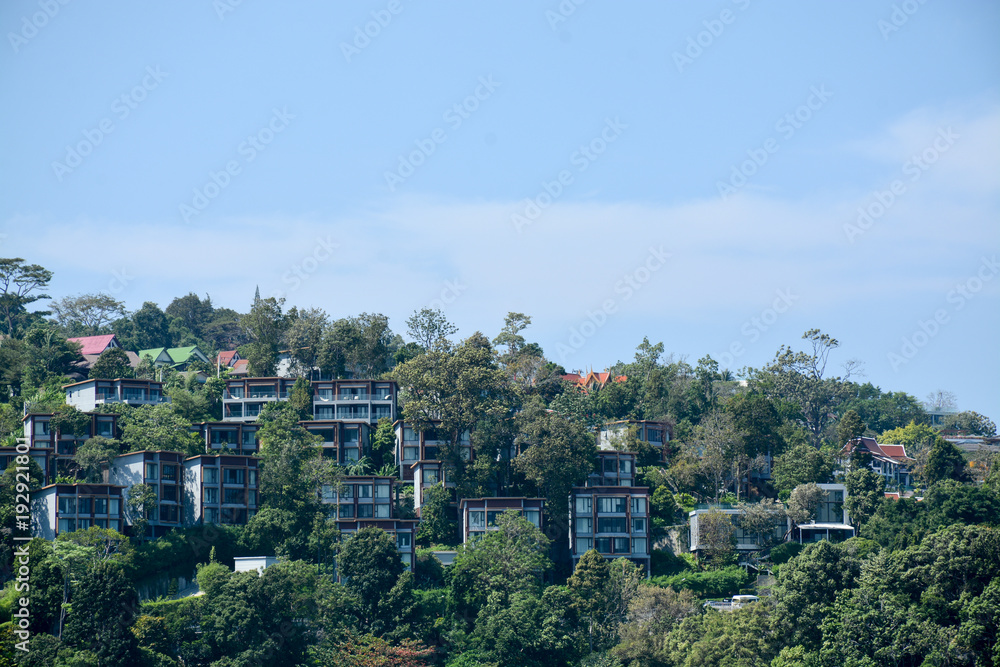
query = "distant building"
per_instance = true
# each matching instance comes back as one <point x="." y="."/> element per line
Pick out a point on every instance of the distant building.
<point x="477" y="516"/>
<point x="354" y="400"/>
<point x="358" y="502"/>
<point x="591" y="381"/>
<point x="243" y="399"/>
<point x="163" y="472"/>
<point x="610" y="514"/>
<point x="343" y="442"/>
<point x="234" y="437"/>
<point x="88" y="394"/>
<point x="220" y="489"/>
<point x="64" y="508"/>
<point x="890" y="461"/>
<point x="413" y="446"/>
<point x="52" y="456"/>
<point x="178" y="358"/>
<point x="656" y="433"/>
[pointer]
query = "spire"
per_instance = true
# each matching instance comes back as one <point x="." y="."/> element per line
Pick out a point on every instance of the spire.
<point x="256" y="296"/>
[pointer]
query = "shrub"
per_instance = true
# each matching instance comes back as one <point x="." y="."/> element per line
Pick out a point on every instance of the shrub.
<point x="715" y="583"/>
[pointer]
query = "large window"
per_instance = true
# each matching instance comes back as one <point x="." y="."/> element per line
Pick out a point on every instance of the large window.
<point x="611" y="505"/>
<point x="381" y="412"/>
<point x="621" y="545"/>
<point x="152" y="471"/>
<point x="169" y="473"/>
<point x="365" y="512"/>
<point x="211" y="475"/>
<point x="325" y="393"/>
<point x="211" y="515"/>
<point x="365" y="491"/>
<point x="223" y="437"/>
<point x="347" y="511"/>
<point x="234" y="497"/>
<point x="169" y="513"/>
<point x="533" y="516"/>
<point x="411" y="453"/>
<point x="612" y="524"/>
<point x="67" y="525"/>
<point x="211" y="496"/>
<point x="324" y="412"/>
<point x="584" y="544"/>
<point x="477" y="520"/>
<point x="381" y="511"/>
<point x="383" y="491"/>
<point x="585" y="525"/>
<point x="603" y="544"/>
<point x="350" y="411"/>
<point x="169" y="492"/>
<point x="100" y="506"/>
<point x="236" y="391"/>
<point x="404" y="540"/>
<point x="262" y="391"/>
<point x="610" y="465"/>
<point x="67" y="504"/>
<point x="85" y="506"/>
<point x="431" y="476"/>
<point x="250" y="438"/>
<point x="113" y="506"/>
<point x="638" y="525"/>
<point x="584" y="505"/>
<point x="233" y="475"/>
<point x="638" y="506"/>
<point x="353" y="393"/>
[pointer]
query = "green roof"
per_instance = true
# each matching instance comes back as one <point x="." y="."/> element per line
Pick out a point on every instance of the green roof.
<point x="154" y="353"/>
<point x="184" y="354"/>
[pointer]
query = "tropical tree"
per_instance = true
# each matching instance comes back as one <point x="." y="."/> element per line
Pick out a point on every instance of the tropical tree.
<point x="20" y="284"/>
<point x="112" y="364"/>
<point x="87" y="314"/>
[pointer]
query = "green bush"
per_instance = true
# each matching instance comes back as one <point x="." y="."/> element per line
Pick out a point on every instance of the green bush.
<point x="665" y="563"/>
<point x="712" y="584"/>
<point x="785" y="552"/>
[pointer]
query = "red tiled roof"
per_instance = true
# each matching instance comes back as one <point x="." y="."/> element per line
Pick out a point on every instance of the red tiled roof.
<point x="226" y="357"/>
<point x="93" y="344"/>
<point x="895" y="453"/>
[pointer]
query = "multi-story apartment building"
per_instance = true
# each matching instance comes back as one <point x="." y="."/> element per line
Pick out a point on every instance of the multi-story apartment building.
<point x="243" y="399"/>
<point x="220" y="489"/>
<point x="163" y="472"/>
<point x="613" y="468"/>
<point x="354" y="400"/>
<point x="610" y="514"/>
<point x="89" y="394"/>
<point x="343" y="442"/>
<point x="657" y="434"/>
<point x="612" y="519"/>
<point x="477" y="516"/>
<point x="746" y="541"/>
<point x="413" y="446"/>
<point x="831" y="521"/>
<point x="64" y="508"/>
<point x="229" y="436"/>
<point x="358" y="502"/>
<point x="55" y="457"/>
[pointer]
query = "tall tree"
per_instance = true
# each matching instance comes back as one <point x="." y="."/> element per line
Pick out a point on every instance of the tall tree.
<point x="865" y="492"/>
<point x="87" y="314"/>
<point x="430" y="328"/>
<point x="801" y="378"/>
<point x="304" y="338"/>
<point x="20" y="285"/>
<point x="193" y="313"/>
<point x="800" y="465"/>
<point x="945" y="461"/>
<point x="112" y="364"/>
<point x="376" y="575"/>
<point x="265" y="325"/>
<point x="94" y="455"/>
<point x="104" y="606"/>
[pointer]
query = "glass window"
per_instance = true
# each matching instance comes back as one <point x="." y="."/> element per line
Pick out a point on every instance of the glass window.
<point x="211" y="475"/>
<point x="350" y="455"/>
<point x="382" y="511"/>
<point x="211" y="515"/>
<point x="211" y="496"/>
<point x="409" y="435"/>
<point x="611" y="505"/>
<point x="403" y="540"/>
<point x="621" y="545"/>
<point x="584" y="525"/>
<point x="655" y="435"/>
<point x="252" y="477"/>
<point x="407" y="559"/>
<point x="627" y="466"/>
<point x="351" y="411"/>
<point x="233" y="475"/>
<point x="169" y="473"/>
<point x="477" y="520"/>
<point x="584" y="544"/>
<point x="67" y="505"/>
<point x="624" y="482"/>
<point x="612" y="524"/>
<point x="324" y="412"/>
<point x="353" y="393"/>
<point x="639" y="545"/>
<point x="383" y="491"/>
<point x="610" y="464"/>
<point x="252" y="498"/>
<point x="410" y="453"/>
<point x="100" y="505"/>
<point x="325" y="393"/>
<point x="365" y="512"/>
<point x="67" y="525"/>
<point x="169" y="513"/>
<point x="603" y="544"/>
<point x="236" y="391"/>
<point x="113" y="505"/>
<point x="234" y="497"/>
<point x="492" y="516"/>
<point x="352" y="436"/>
<point x="430" y="476"/>
<point x="534" y="516"/>
<point x="85" y="506"/>
<point x="584" y="504"/>
<point x="347" y="511"/>
<point x="249" y="439"/>
<point x="152" y="471"/>
<point x="638" y="525"/>
<point x="638" y="506"/>
<point x="328" y="492"/>
<point x="105" y="427"/>
<point x="381" y="411"/>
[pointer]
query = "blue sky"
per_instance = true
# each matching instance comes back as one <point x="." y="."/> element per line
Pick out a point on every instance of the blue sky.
<point x="719" y="176"/>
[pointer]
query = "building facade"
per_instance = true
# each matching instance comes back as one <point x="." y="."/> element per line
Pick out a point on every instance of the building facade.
<point x="220" y="489"/>
<point x="64" y="508"/>
<point x="358" y="502"/>
<point x="88" y="394"/>
<point x="163" y="472"/>
<point x="477" y="516"/>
